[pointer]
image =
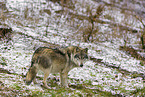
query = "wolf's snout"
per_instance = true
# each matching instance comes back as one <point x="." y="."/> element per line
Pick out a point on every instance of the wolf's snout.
<point x="81" y="65"/>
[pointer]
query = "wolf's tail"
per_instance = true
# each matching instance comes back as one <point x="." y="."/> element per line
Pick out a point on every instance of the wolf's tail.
<point x="31" y="74"/>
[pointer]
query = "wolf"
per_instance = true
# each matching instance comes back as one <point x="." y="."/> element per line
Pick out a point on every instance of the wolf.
<point x="60" y="60"/>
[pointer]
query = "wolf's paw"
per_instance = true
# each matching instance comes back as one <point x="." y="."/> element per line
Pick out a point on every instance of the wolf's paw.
<point x="35" y="82"/>
<point x="45" y="86"/>
<point x="65" y="86"/>
<point x="28" y="82"/>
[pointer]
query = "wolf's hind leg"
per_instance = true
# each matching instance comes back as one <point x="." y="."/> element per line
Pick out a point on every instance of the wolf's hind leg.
<point x="34" y="80"/>
<point x="45" y="79"/>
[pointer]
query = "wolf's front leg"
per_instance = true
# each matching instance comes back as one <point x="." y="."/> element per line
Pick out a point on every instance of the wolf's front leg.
<point x="63" y="78"/>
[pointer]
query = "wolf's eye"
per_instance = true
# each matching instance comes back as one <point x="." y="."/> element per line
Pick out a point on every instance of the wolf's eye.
<point x="76" y="56"/>
<point x="85" y="57"/>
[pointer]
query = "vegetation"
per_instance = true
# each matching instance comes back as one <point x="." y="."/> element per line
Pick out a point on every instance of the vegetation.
<point x="113" y="32"/>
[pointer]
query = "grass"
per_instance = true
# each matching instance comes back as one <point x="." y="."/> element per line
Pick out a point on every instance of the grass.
<point x="79" y="90"/>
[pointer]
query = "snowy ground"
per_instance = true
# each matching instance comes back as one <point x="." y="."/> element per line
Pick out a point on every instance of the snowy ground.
<point x="19" y="51"/>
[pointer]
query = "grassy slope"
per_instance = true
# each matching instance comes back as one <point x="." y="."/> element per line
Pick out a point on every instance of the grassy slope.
<point x="102" y="76"/>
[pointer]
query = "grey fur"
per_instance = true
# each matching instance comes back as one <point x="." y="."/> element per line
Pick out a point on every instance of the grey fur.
<point x="60" y="60"/>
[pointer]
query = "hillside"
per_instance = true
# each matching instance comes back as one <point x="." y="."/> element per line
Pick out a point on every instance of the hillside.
<point x="112" y="30"/>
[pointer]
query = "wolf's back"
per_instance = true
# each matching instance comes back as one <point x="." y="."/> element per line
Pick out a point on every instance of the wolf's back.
<point x="47" y="52"/>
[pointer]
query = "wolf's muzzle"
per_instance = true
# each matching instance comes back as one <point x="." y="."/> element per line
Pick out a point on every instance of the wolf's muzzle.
<point x="81" y="65"/>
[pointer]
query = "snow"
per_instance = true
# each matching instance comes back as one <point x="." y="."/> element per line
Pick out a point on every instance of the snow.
<point x="20" y="53"/>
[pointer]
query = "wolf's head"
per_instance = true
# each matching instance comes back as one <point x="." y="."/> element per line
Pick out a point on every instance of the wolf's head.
<point x="78" y="55"/>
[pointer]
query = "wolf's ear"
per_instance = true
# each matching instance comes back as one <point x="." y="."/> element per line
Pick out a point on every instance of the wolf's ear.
<point x="85" y="50"/>
<point x="69" y="53"/>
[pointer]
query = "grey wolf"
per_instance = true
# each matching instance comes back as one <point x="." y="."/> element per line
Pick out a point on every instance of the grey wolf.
<point x="60" y="60"/>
